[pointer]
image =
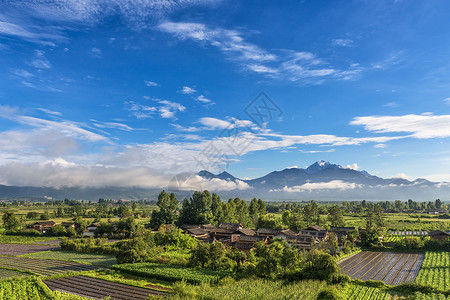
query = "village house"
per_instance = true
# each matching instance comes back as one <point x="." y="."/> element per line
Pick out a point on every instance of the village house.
<point x="68" y="225"/>
<point x="303" y="242"/>
<point x="89" y="231"/>
<point x="318" y="235"/>
<point x="439" y="235"/>
<point x="234" y="226"/>
<point x="247" y="242"/>
<point x="43" y="226"/>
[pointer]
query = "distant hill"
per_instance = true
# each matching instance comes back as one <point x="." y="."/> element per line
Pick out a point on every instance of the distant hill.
<point x="326" y="181"/>
<point x="320" y="181"/>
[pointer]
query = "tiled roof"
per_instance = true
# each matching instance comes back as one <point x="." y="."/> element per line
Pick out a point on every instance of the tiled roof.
<point x="252" y="238"/>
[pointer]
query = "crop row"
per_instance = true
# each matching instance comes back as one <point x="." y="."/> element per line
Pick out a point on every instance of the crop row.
<point x="435" y="270"/>
<point x="22" y="290"/>
<point x="172" y="272"/>
<point x="43" y="267"/>
<point x="357" y="292"/>
<point x="430" y="296"/>
<point x="98" y="288"/>
<point x="10" y="273"/>
<point x="391" y="268"/>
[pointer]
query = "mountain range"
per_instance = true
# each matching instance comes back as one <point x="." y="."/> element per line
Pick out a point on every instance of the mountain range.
<point x="326" y="181"/>
<point x="320" y="181"/>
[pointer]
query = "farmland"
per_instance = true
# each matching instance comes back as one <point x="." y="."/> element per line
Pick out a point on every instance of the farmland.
<point x="43" y="267"/>
<point x="19" y="249"/>
<point x="85" y="258"/>
<point x="391" y="268"/>
<point x="98" y="288"/>
<point x="357" y="292"/>
<point x="172" y="272"/>
<point x="4" y="273"/>
<point x="23" y="289"/>
<point x="258" y="288"/>
<point x="435" y="270"/>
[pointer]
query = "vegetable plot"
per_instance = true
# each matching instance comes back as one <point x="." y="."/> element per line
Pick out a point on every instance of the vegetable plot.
<point x="43" y="267"/>
<point x="172" y="272"/>
<point x="99" y="289"/>
<point x="391" y="268"/>
<point x="435" y="270"/>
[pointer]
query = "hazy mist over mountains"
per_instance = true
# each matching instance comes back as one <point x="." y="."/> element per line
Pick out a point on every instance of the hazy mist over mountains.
<point x="320" y="181"/>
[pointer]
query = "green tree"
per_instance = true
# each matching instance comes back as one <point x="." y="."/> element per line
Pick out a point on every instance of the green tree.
<point x="335" y="217"/>
<point x="10" y="221"/>
<point x="332" y="243"/>
<point x="168" y="205"/>
<point x="123" y="212"/>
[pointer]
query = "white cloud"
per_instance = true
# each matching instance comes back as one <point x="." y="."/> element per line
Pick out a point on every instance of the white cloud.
<point x="113" y="125"/>
<point x="447" y="100"/>
<point x="96" y="52"/>
<point x="403" y="176"/>
<point x="422" y="126"/>
<point x="228" y="41"/>
<point x="40" y="61"/>
<point x="187" y="90"/>
<point x="343" y="42"/>
<point x="391" y="104"/>
<point x="353" y="166"/>
<point x="318" y="151"/>
<point x="150" y="83"/>
<point x="214" y="123"/>
<point x="380" y="146"/>
<point x="22" y="73"/>
<point x="50" y="112"/>
<point x="311" y="186"/>
<point x="297" y="66"/>
<point x="203" y="99"/>
<point x="140" y="111"/>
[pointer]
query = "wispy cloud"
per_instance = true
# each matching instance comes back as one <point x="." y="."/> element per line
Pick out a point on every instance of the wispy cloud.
<point x="22" y="73"/>
<point x="50" y="112"/>
<point x="203" y="99"/>
<point x="422" y="126"/>
<point x="166" y="109"/>
<point x="96" y="52"/>
<point x="311" y="186"/>
<point x="40" y="61"/>
<point x="318" y="151"/>
<point x="187" y="90"/>
<point x="343" y="42"/>
<point x="447" y="100"/>
<point x="112" y="125"/>
<point x="150" y="83"/>
<point x="228" y="41"/>
<point x="297" y="66"/>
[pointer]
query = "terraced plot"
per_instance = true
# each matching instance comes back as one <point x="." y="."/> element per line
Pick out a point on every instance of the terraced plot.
<point x="98" y="288"/>
<point x="391" y="268"/>
<point x="9" y="274"/>
<point x="19" y="249"/>
<point x="42" y="266"/>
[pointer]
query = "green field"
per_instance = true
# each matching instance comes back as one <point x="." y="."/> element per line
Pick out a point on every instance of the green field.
<point x="84" y="258"/>
<point x="358" y="292"/>
<point x="13" y="239"/>
<point x="254" y="288"/>
<point x="23" y="289"/>
<point x="172" y="272"/>
<point x="435" y="270"/>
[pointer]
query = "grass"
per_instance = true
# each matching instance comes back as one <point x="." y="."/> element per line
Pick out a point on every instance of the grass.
<point x="172" y="272"/>
<point x="250" y="288"/>
<point x="84" y="258"/>
<point x="19" y="239"/>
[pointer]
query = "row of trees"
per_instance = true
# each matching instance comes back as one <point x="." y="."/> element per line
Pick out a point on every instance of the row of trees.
<point x="204" y="208"/>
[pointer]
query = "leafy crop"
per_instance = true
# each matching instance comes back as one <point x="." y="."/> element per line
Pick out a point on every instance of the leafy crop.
<point x="172" y="272"/>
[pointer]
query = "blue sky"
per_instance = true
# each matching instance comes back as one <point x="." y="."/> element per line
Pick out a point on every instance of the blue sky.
<point x="133" y="92"/>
